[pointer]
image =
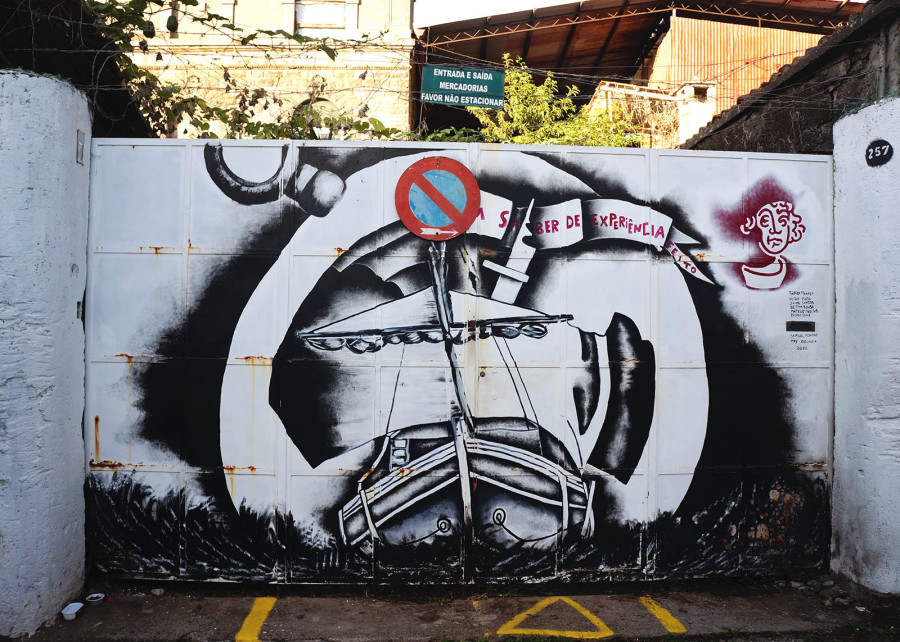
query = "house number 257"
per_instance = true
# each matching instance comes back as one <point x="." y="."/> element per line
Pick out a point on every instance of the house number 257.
<point x="878" y="153"/>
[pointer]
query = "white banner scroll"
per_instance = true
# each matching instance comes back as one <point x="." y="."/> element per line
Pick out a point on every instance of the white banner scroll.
<point x="613" y="219"/>
<point x="603" y="218"/>
<point x="684" y="261"/>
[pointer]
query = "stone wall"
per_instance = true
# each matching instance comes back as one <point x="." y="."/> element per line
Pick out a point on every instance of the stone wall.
<point x="795" y="111"/>
<point x="357" y="84"/>
<point x="43" y="246"/>
<point x="370" y="76"/>
<point x="866" y="493"/>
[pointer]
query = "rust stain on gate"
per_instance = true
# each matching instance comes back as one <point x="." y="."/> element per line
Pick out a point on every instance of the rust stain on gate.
<point x="97" y="436"/>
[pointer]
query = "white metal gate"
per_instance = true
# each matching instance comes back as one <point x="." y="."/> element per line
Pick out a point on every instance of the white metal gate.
<point x="622" y="368"/>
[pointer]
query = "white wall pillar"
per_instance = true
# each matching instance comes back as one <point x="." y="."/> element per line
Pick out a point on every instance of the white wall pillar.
<point x="866" y="520"/>
<point x="43" y="246"/>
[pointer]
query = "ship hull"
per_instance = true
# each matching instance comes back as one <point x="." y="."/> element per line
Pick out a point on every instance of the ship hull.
<point x="510" y="485"/>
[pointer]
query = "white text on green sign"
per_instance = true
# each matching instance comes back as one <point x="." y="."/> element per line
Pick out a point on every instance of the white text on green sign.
<point x="465" y="87"/>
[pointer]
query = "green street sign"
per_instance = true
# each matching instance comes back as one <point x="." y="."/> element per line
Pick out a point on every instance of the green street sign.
<point x="462" y="87"/>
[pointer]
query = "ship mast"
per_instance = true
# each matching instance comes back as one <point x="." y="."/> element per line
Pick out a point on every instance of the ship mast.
<point x="463" y="425"/>
<point x="436" y="255"/>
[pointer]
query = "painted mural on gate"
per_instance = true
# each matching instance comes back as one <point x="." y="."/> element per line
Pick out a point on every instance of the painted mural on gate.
<point x="360" y="362"/>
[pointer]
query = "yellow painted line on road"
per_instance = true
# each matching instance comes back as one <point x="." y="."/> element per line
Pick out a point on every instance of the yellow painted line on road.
<point x="665" y="618"/>
<point x="254" y="621"/>
<point x="512" y="627"/>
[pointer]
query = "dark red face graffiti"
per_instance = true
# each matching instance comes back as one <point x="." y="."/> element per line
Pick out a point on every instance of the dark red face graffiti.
<point x="766" y="215"/>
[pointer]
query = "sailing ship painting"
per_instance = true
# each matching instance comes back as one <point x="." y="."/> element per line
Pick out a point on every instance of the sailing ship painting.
<point x="572" y="383"/>
<point x="451" y="478"/>
<point x="467" y="456"/>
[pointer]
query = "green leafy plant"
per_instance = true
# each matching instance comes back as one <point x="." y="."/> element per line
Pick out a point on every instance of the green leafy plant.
<point x="450" y="135"/>
<point x="537" y="114"/>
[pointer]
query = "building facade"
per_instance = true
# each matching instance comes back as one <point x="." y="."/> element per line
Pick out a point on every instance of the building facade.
<point x="368" y="78"/>
<point x="796" y="109"/>
<point x="735" y="58"/>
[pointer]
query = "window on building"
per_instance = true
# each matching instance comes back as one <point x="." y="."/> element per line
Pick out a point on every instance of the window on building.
<point x="321" y="14"/>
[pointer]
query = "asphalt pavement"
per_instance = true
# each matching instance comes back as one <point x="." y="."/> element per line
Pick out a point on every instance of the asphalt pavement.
<point x="718" y="610"/>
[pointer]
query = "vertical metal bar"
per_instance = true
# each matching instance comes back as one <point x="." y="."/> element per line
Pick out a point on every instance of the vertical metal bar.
<point x="441" y="299"/>
<point x="528" y="33"/>
<point x="463" y="425"/>
<point x="465" y="489"/>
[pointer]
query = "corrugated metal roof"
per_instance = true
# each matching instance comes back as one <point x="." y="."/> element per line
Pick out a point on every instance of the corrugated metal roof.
<point x="610" y="38"/>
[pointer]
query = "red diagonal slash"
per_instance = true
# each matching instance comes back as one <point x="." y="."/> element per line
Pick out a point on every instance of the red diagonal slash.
<point x="461" y="219"/>
<point x="439" y="199"/>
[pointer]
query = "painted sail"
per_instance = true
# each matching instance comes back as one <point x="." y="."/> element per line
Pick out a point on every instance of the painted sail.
<point x="414" y="319"/>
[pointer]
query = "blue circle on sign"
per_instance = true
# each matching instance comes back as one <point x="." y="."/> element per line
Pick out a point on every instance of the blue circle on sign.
<point x="422" y="201"/>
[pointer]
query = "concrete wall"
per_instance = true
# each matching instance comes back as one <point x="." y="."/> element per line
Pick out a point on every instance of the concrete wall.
<point x="867" y="361"/>
<point x="43" y="236"/>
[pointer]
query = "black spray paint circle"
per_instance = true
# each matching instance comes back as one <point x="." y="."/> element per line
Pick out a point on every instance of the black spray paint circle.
<point x="878" y="153"/>
<point x="243" y="404"/>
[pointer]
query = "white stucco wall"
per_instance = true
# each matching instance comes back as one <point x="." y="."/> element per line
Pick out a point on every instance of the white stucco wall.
<point x="43" y="238"/>
<point x="866" y="495"/>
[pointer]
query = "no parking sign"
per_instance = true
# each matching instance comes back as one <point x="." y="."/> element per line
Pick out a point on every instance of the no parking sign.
<point x="437" y="198"/>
